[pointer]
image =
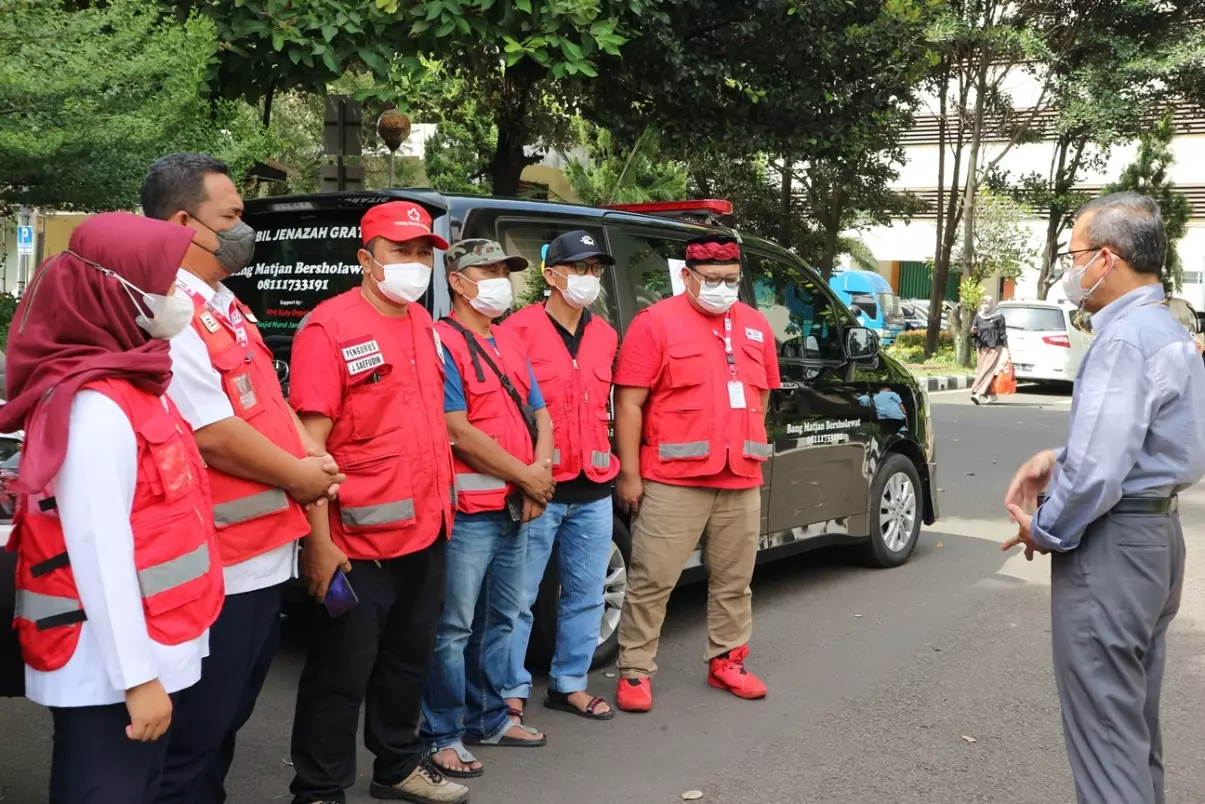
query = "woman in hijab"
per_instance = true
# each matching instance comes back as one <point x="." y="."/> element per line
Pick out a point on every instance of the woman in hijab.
<point x="991" y="339"/>
<point x="118" y="577"/>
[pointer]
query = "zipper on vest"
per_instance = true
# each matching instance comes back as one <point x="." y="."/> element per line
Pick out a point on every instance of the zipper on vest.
<point x="585" y="390"/>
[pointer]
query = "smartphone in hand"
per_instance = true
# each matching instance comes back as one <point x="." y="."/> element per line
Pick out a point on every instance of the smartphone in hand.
<point x="340" y="597"/>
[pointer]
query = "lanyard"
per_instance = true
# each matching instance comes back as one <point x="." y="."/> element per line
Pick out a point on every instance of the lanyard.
<point x="729" y="357"/>
<point x="235" y="320"/>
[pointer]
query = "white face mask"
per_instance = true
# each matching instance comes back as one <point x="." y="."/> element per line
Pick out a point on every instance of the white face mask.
<point x="494" y="296"/>
<point x="580" y="291"/>
<point x="162" y="317"/>
<point x="717" y="300"/>
<point x="169" y="315"/>
<point x="404" y="282"/>
<point x="1073" y="282"/>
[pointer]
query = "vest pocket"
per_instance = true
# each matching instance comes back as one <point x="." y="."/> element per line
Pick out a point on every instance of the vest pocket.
<point x="169" y="583"/>
<point x="376" y="495"/>
<point x="752" y="370"/>
<point x="372" y="400"/>
<point x="684" y="420"/>
<point x="173" y="475"/>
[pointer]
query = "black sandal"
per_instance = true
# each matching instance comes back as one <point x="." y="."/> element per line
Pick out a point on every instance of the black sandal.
<point x="560" y="701"/>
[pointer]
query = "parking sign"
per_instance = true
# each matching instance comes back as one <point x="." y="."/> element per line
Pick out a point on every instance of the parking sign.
<point x="25" y="240"/>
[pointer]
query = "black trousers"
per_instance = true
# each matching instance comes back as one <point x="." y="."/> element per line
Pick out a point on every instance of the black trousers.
<point x="95" y="763"/>
<point x="377" y="654"/>
<point x="209" y="714"/>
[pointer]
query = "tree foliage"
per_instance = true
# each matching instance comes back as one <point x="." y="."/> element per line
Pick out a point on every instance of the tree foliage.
<point x="90" y="96"/>
<point x="1149" y="174"/>
<point x="512" y="53"/>
<point x="613" y="174"/>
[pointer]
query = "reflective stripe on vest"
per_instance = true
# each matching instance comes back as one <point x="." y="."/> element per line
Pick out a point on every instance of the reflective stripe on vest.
<point x="556" y="457"/>
<point x="177" y="572"/>
<point x="686" y="449"/>
<point x="383" y="514"/>
<point x="478" y="482"/>
<point x="41" y="609"/>
<point x="253" y="507"/>
<point x="600" y="460"/>
<point x="755" y="449"/>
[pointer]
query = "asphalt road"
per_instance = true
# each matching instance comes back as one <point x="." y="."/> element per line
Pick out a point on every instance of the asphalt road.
<point x="930" y="683"/>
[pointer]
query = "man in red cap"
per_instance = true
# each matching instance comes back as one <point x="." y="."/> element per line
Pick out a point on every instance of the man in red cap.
<point x="692" y="385"/>
<point x="368" y="383"/>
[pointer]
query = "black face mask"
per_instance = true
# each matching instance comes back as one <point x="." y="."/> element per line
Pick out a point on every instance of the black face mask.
<point x="236" y="245"/>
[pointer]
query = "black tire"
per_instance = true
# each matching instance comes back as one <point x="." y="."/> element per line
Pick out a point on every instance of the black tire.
<point x="544" y="612"/>
<point x="890" y="504"/>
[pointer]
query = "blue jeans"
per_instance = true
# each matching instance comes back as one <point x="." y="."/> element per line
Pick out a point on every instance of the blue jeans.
<point x="485" y="570"/>
<point x="583" y="533"/>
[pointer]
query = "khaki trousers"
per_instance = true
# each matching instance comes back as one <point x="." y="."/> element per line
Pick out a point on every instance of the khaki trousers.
<point x="666" y="531"/>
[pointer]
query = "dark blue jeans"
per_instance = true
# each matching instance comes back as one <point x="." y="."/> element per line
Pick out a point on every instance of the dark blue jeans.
<point x="485" y="570"/>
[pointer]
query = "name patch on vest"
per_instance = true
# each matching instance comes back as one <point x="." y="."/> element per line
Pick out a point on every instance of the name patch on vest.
<point x="362" y="365"/>
<point x="209" y="321"/>
<point x="245" y="390"/>
<point x="351" y="353"/>
<point x="439" y="345"/>
<point x="755" y="335"/>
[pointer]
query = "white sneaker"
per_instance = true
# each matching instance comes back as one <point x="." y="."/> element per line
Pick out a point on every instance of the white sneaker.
<point x="425" y="786"/>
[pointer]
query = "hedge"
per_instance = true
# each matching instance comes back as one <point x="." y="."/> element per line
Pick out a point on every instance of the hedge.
<point x="915" y="338"/>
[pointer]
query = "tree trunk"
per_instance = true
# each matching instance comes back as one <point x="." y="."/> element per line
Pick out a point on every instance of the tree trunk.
<point x="514" y="130"/>
<point x="962" y="344"/>
<point x="785" y="227"/>
<point x="831" y="236"/>
<point x="938" y="281"/>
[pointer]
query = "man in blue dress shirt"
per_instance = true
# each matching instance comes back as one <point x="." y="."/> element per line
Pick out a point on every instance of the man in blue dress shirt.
<point x="1110" y="520"/>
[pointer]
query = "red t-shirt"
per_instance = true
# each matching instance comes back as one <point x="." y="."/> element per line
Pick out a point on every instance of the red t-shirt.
<point x="318" y="377"/>
<point x="642" y="361"/>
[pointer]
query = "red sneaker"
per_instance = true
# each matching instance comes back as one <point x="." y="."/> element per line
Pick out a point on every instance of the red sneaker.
<point x="729" y="673"/>
<point x="635" y="694"/>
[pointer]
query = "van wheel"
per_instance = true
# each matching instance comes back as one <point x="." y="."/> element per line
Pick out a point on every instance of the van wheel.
<point x="895" y="514"/>
<point x="615" y="589"/>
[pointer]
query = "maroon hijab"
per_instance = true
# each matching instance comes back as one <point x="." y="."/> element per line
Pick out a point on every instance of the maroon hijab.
<point x="75" y="325"/>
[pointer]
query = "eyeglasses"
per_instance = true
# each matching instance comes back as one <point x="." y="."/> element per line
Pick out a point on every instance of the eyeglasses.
<point x="582" y="268"/>
<point x="1066" y="259"/>
<point x="716" y="281"/>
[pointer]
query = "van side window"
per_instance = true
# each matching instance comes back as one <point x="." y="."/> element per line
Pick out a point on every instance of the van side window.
<point x="651" y="259"/>
<point x="804" y="319"/>
<point x="527" y="238"/>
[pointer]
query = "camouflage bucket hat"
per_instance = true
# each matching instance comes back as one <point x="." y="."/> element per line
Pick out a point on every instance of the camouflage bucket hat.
<point x="467" y="253"/>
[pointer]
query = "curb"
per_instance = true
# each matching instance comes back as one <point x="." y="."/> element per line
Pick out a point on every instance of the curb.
<point x="958" y="383"/>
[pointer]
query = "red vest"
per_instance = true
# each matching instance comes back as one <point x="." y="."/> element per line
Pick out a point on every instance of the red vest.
<point x="576" y="391"/>
<point x="175" y="547"/>
<point x="252" y="518"/>
<point x="491" y="410"/>
<point x="691" y="429"/>
<point x="390" y="440"/>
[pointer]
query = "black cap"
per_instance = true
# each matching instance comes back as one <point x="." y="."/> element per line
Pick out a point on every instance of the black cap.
<point x="575" y="247"/>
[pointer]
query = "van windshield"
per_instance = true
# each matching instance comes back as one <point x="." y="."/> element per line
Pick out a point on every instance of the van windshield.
<point x="1034" y="319"/>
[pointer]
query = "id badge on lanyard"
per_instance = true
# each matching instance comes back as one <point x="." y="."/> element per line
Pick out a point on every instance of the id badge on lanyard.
<point x="736" y="388"/>
<point x="238" y="325"/>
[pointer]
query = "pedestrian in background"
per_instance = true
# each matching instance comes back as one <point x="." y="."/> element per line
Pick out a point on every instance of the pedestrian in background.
<point x="1110" y="520"/>
<point x="572" y="352"/>
<point x="367" y="381"/>
<point x="118" y="573"/>
<point x="693" y="382"/>
<point x="991" y="341"/>
<point x="502" y="446"/>
<point x="262" y="467"/>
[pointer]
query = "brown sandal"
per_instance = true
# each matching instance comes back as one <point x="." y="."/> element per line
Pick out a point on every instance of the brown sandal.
<point x="560" y="701"/>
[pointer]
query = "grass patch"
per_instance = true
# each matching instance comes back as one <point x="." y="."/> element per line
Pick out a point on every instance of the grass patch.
<point x="941" y="364"/>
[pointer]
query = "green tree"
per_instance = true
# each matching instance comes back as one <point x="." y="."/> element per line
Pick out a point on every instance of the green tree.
<point x="615" y="175"/>
<point x="1001" y="250"/>
<point x="1149" y="174"/>
<point x="90" y="96"/>
<point x="522" y="58"/>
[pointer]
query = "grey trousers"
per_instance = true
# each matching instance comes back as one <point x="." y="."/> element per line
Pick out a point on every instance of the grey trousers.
<point x="1112" y="599"/>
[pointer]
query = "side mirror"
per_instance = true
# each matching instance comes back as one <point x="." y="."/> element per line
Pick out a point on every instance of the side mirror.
<point x="861" y="343"/>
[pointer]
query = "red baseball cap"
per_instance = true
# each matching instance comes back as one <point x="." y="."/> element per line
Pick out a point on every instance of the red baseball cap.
<point x="398" y="221"/>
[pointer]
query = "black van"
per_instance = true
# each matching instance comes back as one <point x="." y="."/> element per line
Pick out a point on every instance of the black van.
<point x="853" y="458"/>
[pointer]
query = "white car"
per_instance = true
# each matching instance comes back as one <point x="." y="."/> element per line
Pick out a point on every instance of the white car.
<point x="1044" y="345"/>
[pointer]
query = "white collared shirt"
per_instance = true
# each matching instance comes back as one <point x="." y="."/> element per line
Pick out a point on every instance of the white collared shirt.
<point x="114" y="652"/>
<point x="197" y="390"/>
